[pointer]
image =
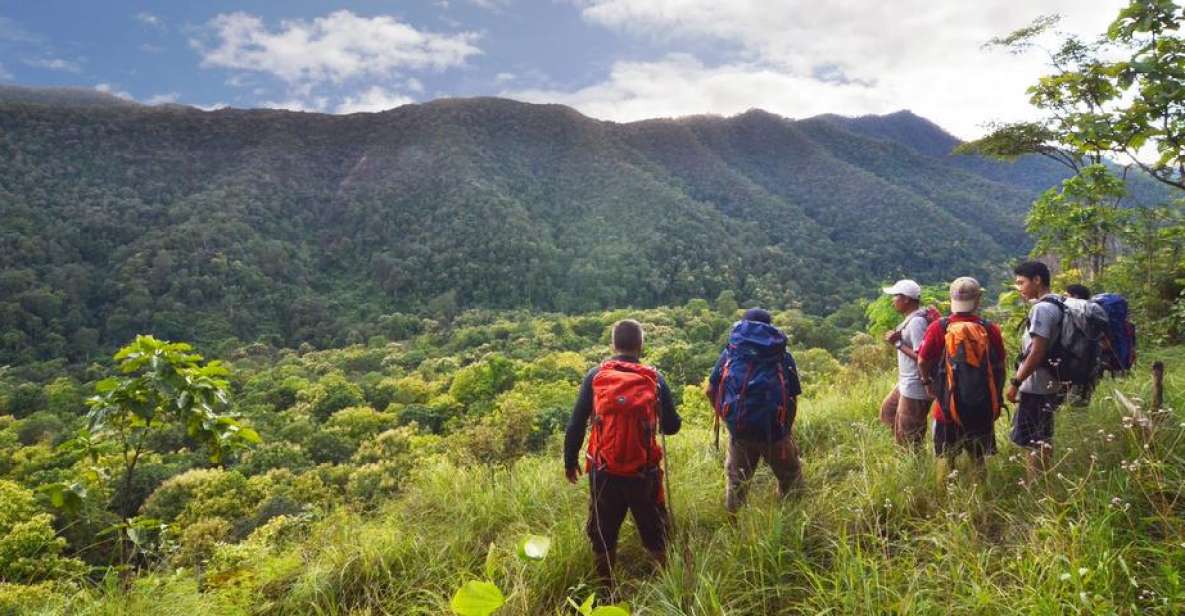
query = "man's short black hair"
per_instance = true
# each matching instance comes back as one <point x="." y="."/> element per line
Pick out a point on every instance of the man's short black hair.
<point x="1033" y="269"/>
<point x="627" y="336"/>
<point x="1078" y="291"/>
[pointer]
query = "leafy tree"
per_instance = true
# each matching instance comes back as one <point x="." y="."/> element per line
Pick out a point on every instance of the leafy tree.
<point x="1079" y="221"/>
<point x="164" y="384"/>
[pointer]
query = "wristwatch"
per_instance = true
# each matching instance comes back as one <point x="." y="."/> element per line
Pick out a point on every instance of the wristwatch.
<point x="898" y="344"/>
<point x="1016" y="382"/>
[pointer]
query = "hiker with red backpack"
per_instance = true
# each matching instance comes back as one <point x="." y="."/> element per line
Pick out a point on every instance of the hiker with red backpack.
<point x="1037" y="386"/>
<point x="906" y="408"/>
<point x="962" y="362"/>
<point x="624" y="404"/>
<point x="754" y="389"/>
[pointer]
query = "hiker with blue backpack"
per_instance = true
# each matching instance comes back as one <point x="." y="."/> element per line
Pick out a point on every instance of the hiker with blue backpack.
<point x="1119" y="352"/>
<point x="754" y="390"/>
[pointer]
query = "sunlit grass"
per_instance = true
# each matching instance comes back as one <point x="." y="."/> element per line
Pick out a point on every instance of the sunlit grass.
<point x="875" y="532"/>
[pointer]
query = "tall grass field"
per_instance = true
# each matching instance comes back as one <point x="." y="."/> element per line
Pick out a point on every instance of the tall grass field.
<point x="876" y="531"/>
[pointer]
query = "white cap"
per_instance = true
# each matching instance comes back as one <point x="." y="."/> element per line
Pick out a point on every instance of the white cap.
<point x="907" y="288"/>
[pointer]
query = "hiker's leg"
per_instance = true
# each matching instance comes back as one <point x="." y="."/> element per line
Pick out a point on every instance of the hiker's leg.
<point x="787" y="468"/>
<point x="948" y="441"/>
<point x="889" y="408"/>
<point x="742" y="458"/>
<point x="1032" y="429"/>
<point x="607" y="507"/>
<point x="648" y="506"/>
<point x="910" y="427"/>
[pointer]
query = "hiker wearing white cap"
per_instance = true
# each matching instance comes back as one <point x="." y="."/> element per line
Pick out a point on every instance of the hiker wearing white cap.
<point x="904" y="409"/>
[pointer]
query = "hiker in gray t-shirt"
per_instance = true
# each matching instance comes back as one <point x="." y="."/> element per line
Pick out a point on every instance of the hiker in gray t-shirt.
<point x="905" y="408"/>
<point x="1034" y="389"/>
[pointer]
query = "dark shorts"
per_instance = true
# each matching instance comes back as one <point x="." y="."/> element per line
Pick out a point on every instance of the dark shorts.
<point x="1032" y="424"/>
<point x="612" y="497"/>
<point x="951" y="439"/>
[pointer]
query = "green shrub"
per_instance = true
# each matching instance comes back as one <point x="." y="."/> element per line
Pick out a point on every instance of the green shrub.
<point x="30" y="550"/>
<point x="198" y="540"/>
<point x="358" y="422"/>
<point x="330" y="395"/>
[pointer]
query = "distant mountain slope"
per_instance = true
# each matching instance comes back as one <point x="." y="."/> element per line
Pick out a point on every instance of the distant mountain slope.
<point x="117" y="218"/>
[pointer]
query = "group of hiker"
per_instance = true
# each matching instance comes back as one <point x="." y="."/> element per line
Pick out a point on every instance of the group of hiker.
<point x="952" y="372"/>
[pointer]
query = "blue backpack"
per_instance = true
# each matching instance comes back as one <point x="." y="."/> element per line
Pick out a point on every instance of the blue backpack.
<point x="1120" y="332"/>
<point x="757" y="382"/>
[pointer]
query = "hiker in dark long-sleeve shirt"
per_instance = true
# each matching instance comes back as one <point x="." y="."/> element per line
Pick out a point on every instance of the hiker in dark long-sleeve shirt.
<point x="624" y="403"/>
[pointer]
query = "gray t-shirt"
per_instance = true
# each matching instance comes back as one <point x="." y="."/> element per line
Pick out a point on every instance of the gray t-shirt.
<point x="909" y="382"/>
<point x="1045" y="320"/>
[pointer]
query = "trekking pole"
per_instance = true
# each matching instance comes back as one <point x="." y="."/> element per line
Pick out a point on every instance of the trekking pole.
<point x="666" y="478"/>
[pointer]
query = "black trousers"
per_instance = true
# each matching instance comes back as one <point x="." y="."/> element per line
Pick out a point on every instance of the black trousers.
<point x="611" y="497"/>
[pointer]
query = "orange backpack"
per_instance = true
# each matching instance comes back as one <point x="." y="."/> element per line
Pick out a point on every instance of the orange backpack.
<point x="969" y="390"/>
<point x="624" y="419"/>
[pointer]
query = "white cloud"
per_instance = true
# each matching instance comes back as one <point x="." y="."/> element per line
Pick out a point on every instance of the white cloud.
<point x="149" y="19"/>
<point x="213" y="107"/>
<point x="333" y="48"/>
<point x="114" y="91"/>
<point x="160" y="99"/>
<point x="54" y="64"/>
<point x="371" y="100"/>
<point x="847" y="56"/>
<point x="490" y="5"/>
<point x="680" y="85"/>
<point x="414" y="85"/>
<point x="504" y="77"/>
<point x="4" y="74"/>
<point x="296" y="104"/>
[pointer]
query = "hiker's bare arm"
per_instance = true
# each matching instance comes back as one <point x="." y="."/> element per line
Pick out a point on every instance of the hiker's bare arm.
<point x="909" y="351"/>
<point x="1037" y="353"/>
<point x="926" y="367"/>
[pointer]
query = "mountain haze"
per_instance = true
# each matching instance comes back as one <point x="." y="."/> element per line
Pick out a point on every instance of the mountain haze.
<point x="120" y="218"/>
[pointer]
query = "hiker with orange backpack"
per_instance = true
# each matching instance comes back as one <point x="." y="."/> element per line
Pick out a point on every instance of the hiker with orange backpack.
<point x="962" y="361"/>
<point x="905" y="409"/>
<point x="754" y="389"/>
<point x="624" y="404"/>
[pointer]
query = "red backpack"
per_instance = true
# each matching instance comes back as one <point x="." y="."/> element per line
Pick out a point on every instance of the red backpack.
<point x="624" y="420"/>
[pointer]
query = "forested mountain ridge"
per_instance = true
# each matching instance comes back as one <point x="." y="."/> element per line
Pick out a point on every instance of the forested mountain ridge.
<point x="298" y="227"/>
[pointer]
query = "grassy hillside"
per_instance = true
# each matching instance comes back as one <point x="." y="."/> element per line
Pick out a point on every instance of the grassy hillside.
<point x="873" y="533"/>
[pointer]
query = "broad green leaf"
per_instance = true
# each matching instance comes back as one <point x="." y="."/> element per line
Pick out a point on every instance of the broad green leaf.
<point x="610" y="610"/>
<point x="534" y="547"/>
<point x="477" y="598"/>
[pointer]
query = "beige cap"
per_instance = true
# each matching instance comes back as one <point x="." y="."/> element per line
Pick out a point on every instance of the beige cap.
<point x="964" y="294"/>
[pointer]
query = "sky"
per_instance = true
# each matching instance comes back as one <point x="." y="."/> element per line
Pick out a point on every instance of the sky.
<point x="619" y="60"/>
